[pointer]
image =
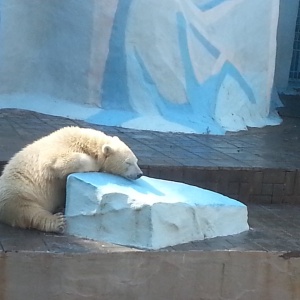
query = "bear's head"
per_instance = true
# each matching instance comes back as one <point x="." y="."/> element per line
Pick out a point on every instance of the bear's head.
<point x="120" y="160"/>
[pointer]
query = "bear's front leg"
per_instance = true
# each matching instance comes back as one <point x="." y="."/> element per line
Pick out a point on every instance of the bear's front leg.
<point x="66" y="164"/>
<point x="45" y="221"/>
<point x="26" y="214"/>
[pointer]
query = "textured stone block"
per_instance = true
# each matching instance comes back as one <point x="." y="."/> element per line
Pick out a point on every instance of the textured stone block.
<point x="148" y="213"/>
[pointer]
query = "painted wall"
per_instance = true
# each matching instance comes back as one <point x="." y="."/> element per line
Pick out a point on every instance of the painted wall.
<point x="47" y="47"/>
<point x="203" y="66"/>
<point x="285" y="40"/>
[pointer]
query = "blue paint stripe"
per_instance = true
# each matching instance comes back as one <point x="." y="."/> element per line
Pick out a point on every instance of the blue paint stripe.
<point x="164" y="106"/>
<point x="210" y="48"/>
<point x="230" y="69"/>
<point x="114" y="88"/>
<point x="210" y="4"/>
<point x="191" y="80"/>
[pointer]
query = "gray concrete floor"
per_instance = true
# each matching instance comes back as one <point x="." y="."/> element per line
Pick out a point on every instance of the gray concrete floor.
<point x="272" y="228"/>
<point x="268" y="147"/>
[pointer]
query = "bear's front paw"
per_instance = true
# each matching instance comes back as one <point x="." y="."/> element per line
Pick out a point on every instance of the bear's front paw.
<point x="59" y="223"/>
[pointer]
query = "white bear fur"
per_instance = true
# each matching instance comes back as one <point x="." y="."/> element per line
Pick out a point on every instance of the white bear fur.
<point x="32" y="186"/>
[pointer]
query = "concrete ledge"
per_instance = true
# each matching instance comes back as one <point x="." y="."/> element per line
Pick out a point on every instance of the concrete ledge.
<point x="262" y="263"/>
<point x="150" y="275"/>
<point x="148" y="213"/>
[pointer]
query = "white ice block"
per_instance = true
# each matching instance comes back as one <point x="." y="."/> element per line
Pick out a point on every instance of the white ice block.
<point x="148" y="213"/>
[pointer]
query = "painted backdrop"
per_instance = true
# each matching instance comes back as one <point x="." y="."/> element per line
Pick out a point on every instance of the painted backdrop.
<point x="175" y="65"/>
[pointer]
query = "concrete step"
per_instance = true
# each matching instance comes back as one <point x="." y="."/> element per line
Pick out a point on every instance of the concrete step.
<point x="262" y="263"/>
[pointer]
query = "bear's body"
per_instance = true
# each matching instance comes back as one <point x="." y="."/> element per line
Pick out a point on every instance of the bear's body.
<point x="32" y="186"/>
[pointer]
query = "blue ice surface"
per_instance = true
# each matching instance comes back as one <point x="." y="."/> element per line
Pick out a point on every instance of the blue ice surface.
<point x="159" y="188"/>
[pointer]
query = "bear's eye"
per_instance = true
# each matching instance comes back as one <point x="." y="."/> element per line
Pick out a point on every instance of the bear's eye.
<point x="127" y="162"/>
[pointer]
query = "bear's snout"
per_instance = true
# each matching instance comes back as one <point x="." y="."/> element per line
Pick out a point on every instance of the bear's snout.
<point x="135" y="176"/>
<point x="139" y="175"/>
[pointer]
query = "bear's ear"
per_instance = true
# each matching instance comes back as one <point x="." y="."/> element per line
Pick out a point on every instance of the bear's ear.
<point x="107" y="150"/>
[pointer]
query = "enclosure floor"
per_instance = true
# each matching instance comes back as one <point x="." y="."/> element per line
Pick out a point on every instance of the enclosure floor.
<point x="273" y="227"/>
<point x="268" y="147"/>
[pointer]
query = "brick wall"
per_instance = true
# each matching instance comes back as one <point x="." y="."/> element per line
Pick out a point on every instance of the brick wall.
<point x="265" y="186"/>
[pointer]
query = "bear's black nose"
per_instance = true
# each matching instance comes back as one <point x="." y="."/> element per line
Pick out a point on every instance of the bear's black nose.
<point x="139" y="175"/>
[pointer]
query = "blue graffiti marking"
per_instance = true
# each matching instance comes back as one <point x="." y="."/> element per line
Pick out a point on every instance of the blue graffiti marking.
<point x="115" y="87"/>
<point x="210" y="48"/>
<point x="205" y="5"/>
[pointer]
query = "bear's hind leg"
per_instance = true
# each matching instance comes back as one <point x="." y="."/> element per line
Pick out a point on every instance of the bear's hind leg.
<point x="31" y="215"/>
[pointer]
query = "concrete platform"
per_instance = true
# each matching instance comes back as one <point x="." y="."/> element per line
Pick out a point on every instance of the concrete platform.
<point x="259" y="167"/>
<point x="263" y="263"/>
<point x="255" y="166"/>
<point x="273" y="228"/>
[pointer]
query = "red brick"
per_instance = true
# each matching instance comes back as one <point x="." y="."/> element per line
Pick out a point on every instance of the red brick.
<point x="190" y="176"/>
<point x="246" y="175"/>
<point x="277" y="199"/>
<point x="223" y="185"/>
<point x="154" y="172"/>
<point x="274" y="176"/>
<point x="174" y="174"/>
<point x="297" y="183"/>
<point x="233" y="188"/>
<point x="261" y="199"/>
<point x="278" y="193"/>
<point x="235" y="175"/>
<point x="278" y="190"/>
<point x="267" y="189"/>
<point x="212" y="175"/>
<point x="244" y="191"/>
<point x="257" y="182"/>
<point x="290" y="180"/>
<point x="145" y="170"/>
<point x="195" y="176"/>
<point x="291" y="199"/>
<point x="212" y="186"/>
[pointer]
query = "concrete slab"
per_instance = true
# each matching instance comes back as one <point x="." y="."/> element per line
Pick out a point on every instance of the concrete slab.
<point x="262" y="263"/>
<point x="150" y="275"/>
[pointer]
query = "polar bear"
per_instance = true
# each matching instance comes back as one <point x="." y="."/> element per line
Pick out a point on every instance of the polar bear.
<point x="32" y="185"/>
